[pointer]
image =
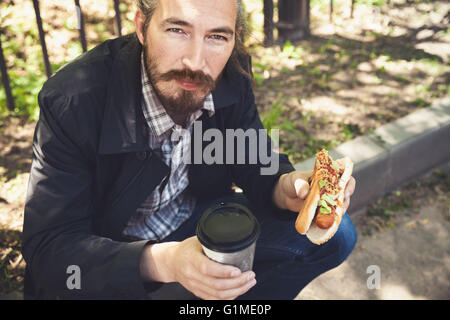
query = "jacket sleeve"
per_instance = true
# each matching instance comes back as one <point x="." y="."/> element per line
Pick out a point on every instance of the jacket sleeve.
<point x="64" y="257"/>
<point x="257" y="179"/>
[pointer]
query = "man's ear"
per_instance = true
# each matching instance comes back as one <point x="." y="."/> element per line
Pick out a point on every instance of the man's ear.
<point x="139" y="21"/>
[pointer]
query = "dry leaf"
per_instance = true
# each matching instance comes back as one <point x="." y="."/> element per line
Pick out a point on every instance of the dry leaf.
<point x="410" y="225"/>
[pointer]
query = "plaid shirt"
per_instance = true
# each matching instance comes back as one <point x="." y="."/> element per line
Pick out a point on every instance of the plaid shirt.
<point x="170" y="204"/>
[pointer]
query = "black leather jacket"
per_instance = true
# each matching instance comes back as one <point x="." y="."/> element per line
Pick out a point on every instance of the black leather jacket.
<point x="92" y="168"/>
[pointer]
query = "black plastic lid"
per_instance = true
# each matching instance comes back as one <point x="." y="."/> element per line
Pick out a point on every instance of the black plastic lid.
<point x="227" y="227"/>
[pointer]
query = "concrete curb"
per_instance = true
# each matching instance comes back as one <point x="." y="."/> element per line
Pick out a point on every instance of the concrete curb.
<point x="395" y="153"/>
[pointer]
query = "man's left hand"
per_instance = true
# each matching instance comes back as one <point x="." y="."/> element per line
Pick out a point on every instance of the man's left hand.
<point x="292" y="188"/>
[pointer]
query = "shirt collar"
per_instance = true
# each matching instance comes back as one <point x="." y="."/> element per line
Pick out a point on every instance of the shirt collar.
<point x="155" y="113"/>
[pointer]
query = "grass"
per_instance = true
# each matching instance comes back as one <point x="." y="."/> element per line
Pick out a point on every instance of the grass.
<point x="409" y="79"/>
<point x="23" y="53"/>
<point x="384" y="212"/>
<point x="11" y="264"/>
<point x="298" y="144"/>
<point x="26" y="77"/>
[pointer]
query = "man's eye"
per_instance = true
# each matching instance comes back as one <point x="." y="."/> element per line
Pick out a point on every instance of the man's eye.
<point x="218" y="37"/>
<point x="175" y="30"/>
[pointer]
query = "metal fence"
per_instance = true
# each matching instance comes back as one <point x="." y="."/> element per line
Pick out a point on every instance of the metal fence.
<point x="48" y="71"/>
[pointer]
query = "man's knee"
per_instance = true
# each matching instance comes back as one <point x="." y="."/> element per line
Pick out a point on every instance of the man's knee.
<point x="345" y="238"/>
<point x="335" y="250"/>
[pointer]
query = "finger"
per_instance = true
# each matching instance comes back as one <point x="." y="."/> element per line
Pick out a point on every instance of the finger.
<point x="290" y="186"/>
<point x="231" y="283"/>
<point x="226" y="294"/>
<point x="297" y="184"/>
<point x="349" y="190"/>
<point x="210" y="268"/>
<point x="234" y="293"/>
<point x="294" y="204"/>
<point x="222" y="288"/>
<point x="301" y="188"/>
<point x="346" y="204"/>
<point x="350" y="187"/>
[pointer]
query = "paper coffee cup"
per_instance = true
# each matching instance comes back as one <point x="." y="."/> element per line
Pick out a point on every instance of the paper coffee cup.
<point x="228" y="233"/>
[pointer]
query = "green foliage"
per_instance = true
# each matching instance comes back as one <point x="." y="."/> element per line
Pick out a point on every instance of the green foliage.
<point x="421" y="103"/>
<point x="387" y="207"/>
<point x="258" y="70"/>
<point x="276" y="119"/>
<point x="270" y="119"/>
<point x="444" y="88"/>
<point x="402" y="200"/>
<point x="377" y="3"/>
<point x="350" y="131"/>
<point x="321" y="4"/>
<point x="432" y="65"/>
<point x="292" y="52"/>
<point x="295" y="142"/>
<point x="26" y="75"/>
<point x="443" y="32"/>
<point x="421" y="1"/>
<point x="11" y="272"/>
<point x="324" y="4"/>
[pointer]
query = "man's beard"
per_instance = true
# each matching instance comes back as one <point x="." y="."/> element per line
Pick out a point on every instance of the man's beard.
<point x="176" y="100"/>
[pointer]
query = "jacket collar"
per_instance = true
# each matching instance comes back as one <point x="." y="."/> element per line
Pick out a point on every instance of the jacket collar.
<point x="123" y="125"/>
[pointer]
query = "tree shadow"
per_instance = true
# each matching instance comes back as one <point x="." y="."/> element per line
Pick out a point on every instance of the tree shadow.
<point x="12" y="265"/>
<point x="346" y="70"/>
<point x="339" y="53"/>
<point x="15" y="150"/>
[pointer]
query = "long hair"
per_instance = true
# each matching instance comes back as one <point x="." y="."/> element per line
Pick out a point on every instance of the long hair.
<point x="240" y="58"/>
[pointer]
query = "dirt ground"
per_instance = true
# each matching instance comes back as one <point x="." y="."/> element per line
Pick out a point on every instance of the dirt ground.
<point x="15" y="161"/>
<point x="355" y="74"/>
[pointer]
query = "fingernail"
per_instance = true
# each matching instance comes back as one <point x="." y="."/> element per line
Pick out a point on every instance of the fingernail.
<point x="298" y="184"/>
<point x="250" y="276"/>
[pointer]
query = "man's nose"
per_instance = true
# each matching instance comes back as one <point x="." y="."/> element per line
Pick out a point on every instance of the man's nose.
<point x="194" y="59"/>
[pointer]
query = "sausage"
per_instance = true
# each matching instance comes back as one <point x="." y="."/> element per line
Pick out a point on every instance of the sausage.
<point x="324" y="221"/>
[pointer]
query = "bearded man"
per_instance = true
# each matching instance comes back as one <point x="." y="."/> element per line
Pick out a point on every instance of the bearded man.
<point x="112" y="205"/>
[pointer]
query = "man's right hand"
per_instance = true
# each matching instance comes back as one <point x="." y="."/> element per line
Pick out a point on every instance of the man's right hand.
<point x="185" y="262"/>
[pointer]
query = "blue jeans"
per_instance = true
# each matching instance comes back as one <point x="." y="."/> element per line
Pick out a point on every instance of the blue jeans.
<point x="285" y="261"/>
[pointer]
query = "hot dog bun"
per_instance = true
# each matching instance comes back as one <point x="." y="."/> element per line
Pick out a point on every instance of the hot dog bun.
<point x="307" y="213"/>
<point x="305" y="220"/>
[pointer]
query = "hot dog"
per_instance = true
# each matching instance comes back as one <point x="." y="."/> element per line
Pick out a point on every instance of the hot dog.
<point x="322" y="210"/>
<point x="324" y="221"/>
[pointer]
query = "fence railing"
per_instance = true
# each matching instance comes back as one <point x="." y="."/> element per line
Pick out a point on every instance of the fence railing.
<point x="294" y="22"/>
<point x="5" y="80"/>
<point x="48" y="71"/>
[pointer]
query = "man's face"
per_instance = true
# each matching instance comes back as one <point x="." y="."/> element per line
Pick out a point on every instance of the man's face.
<point x="186" y="47"/>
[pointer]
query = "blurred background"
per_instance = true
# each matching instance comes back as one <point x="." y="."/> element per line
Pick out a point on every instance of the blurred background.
<point x="326" y="72"/>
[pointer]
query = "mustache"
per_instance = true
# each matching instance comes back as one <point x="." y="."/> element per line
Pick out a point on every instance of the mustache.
<point x="197" y="77"/>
